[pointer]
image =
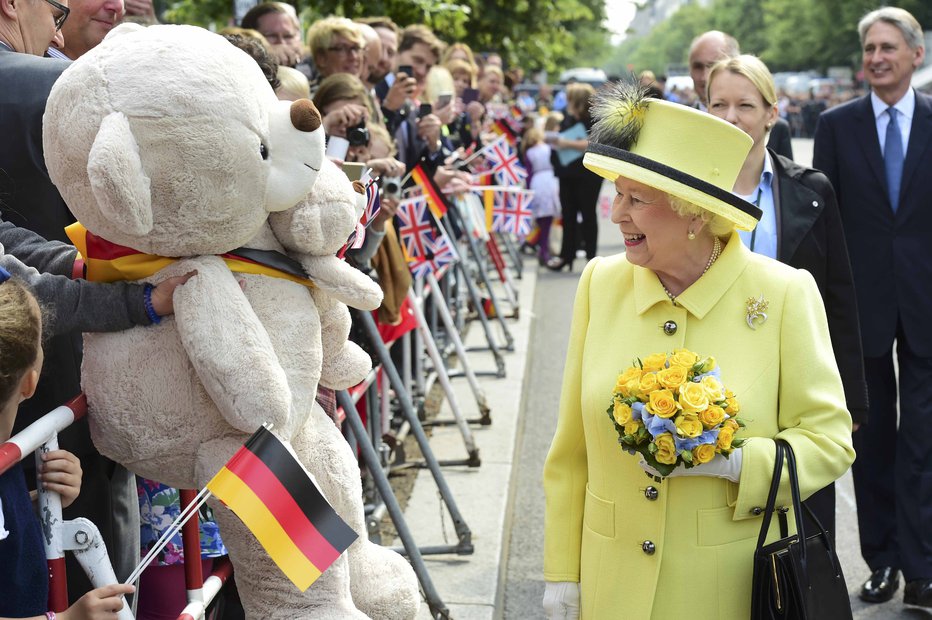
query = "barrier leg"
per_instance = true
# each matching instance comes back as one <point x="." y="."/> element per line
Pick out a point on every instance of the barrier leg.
<point x="452" y="333"/>
<point x="444" y="380"/>
<point x="191" y="544"/>
<point x="474" y="252"/>
<point x="371" y="460"/>
<point x="513" y="254"/>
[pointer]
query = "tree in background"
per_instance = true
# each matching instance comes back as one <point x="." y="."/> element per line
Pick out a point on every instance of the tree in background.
<point x="533" y="34"/>
<point x="788" y="35"/>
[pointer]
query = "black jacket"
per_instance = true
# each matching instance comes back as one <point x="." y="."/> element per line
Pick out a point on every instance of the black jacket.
<point x="810" y="236"/>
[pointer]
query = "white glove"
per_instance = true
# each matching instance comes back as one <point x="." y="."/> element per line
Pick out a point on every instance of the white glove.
<point x="561" y="600"/>
<point x="718" y="467"/>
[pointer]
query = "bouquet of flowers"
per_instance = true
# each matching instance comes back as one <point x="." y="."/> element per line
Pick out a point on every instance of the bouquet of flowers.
<point x="674" y="410"/>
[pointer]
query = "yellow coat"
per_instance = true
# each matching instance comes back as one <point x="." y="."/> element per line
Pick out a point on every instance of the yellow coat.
<point x="703" y="529"/>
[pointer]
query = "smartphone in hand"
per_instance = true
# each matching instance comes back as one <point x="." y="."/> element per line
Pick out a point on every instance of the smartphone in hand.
<point x="444" y="100"/>
<point x="424" y="110"/>
<point x="470" y="95"/>
<point x="406" y="69"/>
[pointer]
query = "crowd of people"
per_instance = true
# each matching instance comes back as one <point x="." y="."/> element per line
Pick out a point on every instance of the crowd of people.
<point x="395" y="98"/>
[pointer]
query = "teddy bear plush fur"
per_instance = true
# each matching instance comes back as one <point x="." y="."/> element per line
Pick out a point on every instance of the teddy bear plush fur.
<point x="168" y="140"/>
<point x="312" y="232"/>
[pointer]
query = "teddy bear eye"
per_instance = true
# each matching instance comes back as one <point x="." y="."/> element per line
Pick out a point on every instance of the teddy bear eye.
<point x="263" y="151"/>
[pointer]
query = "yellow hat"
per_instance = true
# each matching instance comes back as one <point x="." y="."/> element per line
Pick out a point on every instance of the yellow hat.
<point x="678" y="150"/>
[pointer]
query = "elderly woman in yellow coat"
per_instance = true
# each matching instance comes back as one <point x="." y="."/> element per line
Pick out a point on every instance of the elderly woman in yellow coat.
<point x="620" y="544"/>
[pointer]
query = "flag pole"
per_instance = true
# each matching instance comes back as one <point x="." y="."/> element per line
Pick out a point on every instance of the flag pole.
<point x="174" y="528"/>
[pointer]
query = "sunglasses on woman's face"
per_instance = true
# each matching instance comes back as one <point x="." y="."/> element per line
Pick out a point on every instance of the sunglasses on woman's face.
<point x="61" y="13"/>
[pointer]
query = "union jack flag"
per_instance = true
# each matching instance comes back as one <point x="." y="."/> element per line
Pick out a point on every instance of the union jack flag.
<point x="416" y="229"/>
<point x="504" y="163"/>
<point x="511" y="212"/>
<point x="373" y="204"/>
<point x="440" y="256"/>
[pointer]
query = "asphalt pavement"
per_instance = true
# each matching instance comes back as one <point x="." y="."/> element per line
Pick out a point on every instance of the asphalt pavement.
<point x="502" y="501"/>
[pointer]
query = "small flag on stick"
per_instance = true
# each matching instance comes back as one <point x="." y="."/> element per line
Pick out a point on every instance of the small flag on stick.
<point x="276" y="499"/>
<point x="435" y="198"/>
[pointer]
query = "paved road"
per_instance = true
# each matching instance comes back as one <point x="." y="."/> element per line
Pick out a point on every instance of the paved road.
<point x="552" y="308"/>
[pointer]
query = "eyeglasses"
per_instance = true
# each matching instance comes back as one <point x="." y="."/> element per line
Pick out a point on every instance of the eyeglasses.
<point x="345" y="49"/>
<point x="61" y="17"/>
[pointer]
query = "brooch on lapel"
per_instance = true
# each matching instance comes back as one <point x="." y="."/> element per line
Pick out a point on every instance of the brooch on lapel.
<point x="756" y="311"/>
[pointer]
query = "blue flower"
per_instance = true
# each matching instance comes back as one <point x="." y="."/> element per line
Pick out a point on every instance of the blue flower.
<point x="686" y="443"/>
<point x="637" y="411"/>
<point x="715" y="372"/>
<point x="658" y="426"/>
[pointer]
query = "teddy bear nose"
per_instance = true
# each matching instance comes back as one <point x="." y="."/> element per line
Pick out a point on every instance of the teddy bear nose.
<point x="304" y="115"/>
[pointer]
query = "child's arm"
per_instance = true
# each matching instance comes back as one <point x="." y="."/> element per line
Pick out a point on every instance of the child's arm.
<point x="100" y="604"/>
<point x="61" y="472"/>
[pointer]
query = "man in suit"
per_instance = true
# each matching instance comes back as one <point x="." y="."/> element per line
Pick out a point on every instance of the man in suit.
<point x="706" y="50"/>
<point x="29" y="200"/>
<point x="877" y="152"/>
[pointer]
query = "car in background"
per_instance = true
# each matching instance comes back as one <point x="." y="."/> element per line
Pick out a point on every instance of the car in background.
<point x="589" y="75"/>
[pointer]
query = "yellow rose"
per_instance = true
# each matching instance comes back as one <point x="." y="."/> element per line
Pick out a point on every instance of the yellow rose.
<point x="708" y="364"/>
<point x="633" y="426"/>
<point x="655" y="362"/>
<point x="683" y="357"/>
<point x="672" y="377"/>
<point x="662" y="403"/>
<point x="713" y="388"/>
<point x="732" y="407"/>
<point x="649" y="383"/>
<point x="712" y="416"/>
<point x="703" y="453"/>
<point x="622" y="412"/>
<point x="666" y="449"/>
<point x="625" y="378"/>
<point x="725" y="436"/>
<point x="693" y="398"/>
<point x="732" y="424"/>
<point x="688" y="425"/>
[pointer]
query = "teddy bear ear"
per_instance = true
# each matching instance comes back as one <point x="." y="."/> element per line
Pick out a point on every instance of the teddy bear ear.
<point x="118" y="181"/>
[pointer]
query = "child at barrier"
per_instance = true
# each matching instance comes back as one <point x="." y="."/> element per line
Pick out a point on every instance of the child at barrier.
<point x="23" y="571"/>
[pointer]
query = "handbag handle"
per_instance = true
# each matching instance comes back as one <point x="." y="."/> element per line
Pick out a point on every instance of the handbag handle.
<point x="785" y="450"/>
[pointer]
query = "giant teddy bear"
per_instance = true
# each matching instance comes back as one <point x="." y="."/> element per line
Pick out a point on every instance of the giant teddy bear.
<point x="168" y="141"/>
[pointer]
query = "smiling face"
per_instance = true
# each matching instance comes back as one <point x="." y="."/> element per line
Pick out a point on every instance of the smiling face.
<point x="654" y="233"/>
<point x="888" y="61"/>
<point x="88" y="24"/>
<point x="341" y="56"/>
<point x="420" y="58"/>
<point x="732" y="97"/>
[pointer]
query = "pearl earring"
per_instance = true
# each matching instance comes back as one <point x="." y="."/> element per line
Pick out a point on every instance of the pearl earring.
<point x="691" y="236"/>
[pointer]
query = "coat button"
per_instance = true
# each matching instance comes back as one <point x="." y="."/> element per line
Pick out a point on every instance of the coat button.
<point x="669" y="328"/>
<point x="757" y="510"/>
<point x="648" y="547"/>
<point x="651" y="493"/>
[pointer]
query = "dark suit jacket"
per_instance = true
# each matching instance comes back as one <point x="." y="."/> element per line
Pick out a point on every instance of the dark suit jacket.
<point x="811" y="237"/>
<point x="30" y="200"/>
<point x="891" y="254"/>
<point x="779" y="141"/>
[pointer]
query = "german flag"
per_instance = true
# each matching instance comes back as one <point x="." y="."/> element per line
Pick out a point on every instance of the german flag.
<point x="501" y="127"/>
<point x="435" y="199"/>
<point x="106" y="261"/>
<point x="276" y="499"/>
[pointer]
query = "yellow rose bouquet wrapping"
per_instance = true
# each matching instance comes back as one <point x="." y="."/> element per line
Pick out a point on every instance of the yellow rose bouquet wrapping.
<point x="674" y="410"/>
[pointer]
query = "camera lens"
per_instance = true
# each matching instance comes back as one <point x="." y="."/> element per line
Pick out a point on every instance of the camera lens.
<point x="391" y="188"/>
<point x="358" y="135"/>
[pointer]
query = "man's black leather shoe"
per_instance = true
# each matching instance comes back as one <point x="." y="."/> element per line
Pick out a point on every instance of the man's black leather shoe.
<point x="881" y="585"/>
<point x="918" y="593"/>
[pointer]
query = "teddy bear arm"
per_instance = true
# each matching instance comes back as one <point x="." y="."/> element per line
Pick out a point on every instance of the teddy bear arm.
<point x="341" y="281"/>
<point x="229" y="348"/>
<point x="344" y="363"/>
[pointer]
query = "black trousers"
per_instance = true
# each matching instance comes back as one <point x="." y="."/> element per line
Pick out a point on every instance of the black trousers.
<point x="893" y="469"/>
<point x="579" y="195"/>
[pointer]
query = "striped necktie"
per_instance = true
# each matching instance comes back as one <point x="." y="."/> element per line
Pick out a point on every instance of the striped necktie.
<point x="893" y="159"/>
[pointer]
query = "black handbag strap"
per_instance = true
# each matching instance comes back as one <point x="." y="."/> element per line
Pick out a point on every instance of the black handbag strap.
<point x="785" y="451"/>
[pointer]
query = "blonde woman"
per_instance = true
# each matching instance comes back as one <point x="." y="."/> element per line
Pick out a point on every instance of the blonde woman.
<point x="801" y="225"/>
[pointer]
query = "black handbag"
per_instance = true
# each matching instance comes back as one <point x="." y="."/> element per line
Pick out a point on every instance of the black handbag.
<point x="795" y="581"/>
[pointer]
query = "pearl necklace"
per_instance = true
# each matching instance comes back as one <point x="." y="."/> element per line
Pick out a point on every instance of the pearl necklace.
<point x="716" y="252"/>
